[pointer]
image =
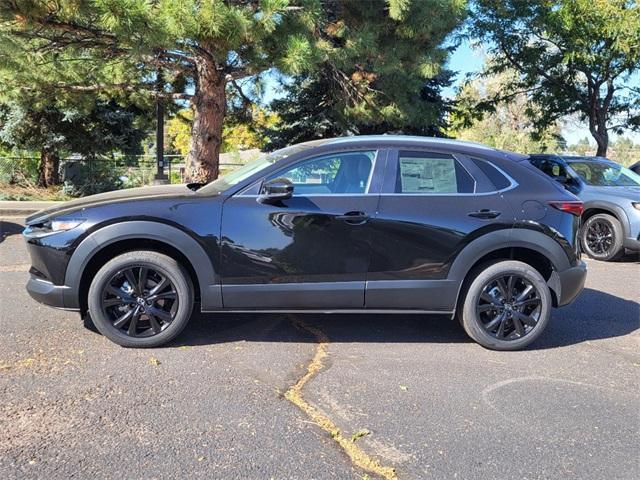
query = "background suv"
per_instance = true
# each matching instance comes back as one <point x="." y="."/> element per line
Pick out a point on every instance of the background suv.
<point x="611" y="196"/>
<point x="360" y="224"/>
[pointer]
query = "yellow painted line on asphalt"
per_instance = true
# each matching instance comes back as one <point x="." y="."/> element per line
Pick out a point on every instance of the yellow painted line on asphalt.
<point x="294" y="395"/>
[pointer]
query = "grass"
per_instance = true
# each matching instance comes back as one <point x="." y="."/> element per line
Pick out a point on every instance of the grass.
<point x="31" y="193"/>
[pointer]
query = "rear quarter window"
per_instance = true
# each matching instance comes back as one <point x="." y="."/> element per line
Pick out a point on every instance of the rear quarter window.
<point x="496" y="177"/>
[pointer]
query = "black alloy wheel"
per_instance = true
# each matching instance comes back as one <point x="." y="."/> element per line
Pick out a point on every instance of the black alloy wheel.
<point x="509" y="307"/>
<point x="600" y="237"/>
<point x="505" y="305"/>
<point x="140" y="301"/>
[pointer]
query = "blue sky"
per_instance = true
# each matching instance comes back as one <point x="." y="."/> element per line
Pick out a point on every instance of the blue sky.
<point x="466" y="60"/>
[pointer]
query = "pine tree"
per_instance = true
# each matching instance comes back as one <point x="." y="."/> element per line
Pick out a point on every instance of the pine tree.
<point x="68" y="47"/>
<point x="103" y="128"/>
<point x="380" y="70"/>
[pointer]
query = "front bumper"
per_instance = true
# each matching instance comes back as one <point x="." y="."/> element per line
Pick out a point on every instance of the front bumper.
<point x="43" y="291"/>
<point x="632" y="244"/>
<point x="569" y="283"/>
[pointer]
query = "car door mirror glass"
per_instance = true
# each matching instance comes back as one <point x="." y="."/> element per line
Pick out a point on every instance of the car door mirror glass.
<point x="276" y="190"/>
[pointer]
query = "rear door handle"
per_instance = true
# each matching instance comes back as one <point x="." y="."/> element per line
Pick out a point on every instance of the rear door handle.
<point x="354" y="218"/>
<point x="485" y="213"/>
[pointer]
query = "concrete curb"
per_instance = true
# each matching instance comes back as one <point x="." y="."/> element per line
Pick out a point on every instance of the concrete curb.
<point x="23" y="209"/>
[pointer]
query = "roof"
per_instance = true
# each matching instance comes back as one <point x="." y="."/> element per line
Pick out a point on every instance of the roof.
<point x="468" y="148"/>
<point x="403" y="138"/>
<point x="580" y="158"/>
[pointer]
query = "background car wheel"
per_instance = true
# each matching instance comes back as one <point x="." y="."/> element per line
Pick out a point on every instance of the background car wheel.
<point x="601" y="237"/>
<point x="141" y="299"/>
<point x="507" y="305"/>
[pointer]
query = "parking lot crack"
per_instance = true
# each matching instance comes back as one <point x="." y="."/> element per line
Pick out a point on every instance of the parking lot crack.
<point x="294" y="394"/>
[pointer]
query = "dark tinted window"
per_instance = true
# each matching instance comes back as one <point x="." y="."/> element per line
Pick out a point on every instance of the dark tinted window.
<point x="550" y="167"/>
<point x="492" y="173"/>
<point x="422" y="172"/>
<point x="337" y="173"/>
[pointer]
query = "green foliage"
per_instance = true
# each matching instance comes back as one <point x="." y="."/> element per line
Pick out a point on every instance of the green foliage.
<point x="15" y="168"/>
<point x="116" y="48"/>
<point x="90" y="177"/>
<point x="572" y="57"/>
<point x="379" y="69"/>
<point x="622" y="150"/>
<point x="505" y="124"/>
<point x="106" y="127"/>
<point x="583" y="147"/>
<point x="315" y="107"/>
<point x="240" y="132"/>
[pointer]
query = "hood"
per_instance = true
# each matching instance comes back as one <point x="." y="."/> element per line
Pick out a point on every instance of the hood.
<point x="631" y="193"/>
<point x="111" y="197"/>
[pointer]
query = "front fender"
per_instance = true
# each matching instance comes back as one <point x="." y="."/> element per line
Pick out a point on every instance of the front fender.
<point x="617" y="211"/>
<point x="208" y="280"/>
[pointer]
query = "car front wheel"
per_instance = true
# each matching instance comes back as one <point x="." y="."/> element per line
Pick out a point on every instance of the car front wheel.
<point x="141" y="299"/>
<point x="601" y="237"/>
<point x="507" y="305"/>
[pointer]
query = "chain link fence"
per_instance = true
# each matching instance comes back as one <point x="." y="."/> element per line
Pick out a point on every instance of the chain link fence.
<point x="86" y="176"/>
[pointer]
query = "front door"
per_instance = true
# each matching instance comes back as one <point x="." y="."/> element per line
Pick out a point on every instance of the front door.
<point x="310" y="251"/>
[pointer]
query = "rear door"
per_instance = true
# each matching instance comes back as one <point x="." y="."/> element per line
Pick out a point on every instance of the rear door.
<point x="432" y="204"/>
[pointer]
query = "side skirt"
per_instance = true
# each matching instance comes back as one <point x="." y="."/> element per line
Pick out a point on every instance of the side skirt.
<point x="336" y="311"/>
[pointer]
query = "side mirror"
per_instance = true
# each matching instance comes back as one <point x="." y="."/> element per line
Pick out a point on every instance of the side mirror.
<point x="276" y="190"/>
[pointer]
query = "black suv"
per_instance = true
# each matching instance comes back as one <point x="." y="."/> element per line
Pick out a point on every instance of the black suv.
<point x="358" y="224"/>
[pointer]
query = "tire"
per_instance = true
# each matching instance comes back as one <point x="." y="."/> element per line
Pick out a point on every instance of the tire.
<point x="602" y="231"/>
<point x="522" y="320"/>
<point x="144" y="310"/>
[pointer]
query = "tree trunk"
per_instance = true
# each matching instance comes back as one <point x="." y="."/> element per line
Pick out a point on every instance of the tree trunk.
<point x="601" y="136"/>
<point x="603" y="144"/>
<point x="49" y="166"/>
<point x="598" y="116"/>
<point x="209" y="107"/>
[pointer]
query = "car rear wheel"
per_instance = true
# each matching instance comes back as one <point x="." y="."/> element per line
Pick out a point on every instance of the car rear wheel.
<point x="601" y="237"/>
<point x="141" y="299"/>
<point x="507" y="305"/>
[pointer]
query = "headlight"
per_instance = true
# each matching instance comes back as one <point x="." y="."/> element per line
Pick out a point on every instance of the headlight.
<point x="636" y="205"/>
<point x="52" y="226"/>
<point x="65" y="224"/>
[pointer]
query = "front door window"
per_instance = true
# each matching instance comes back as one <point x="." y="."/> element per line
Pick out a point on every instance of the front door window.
<point x="338" y="173"/>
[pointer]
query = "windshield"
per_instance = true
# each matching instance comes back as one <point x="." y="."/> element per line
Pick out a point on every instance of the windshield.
<point x="605" y="174"/>
<point x="239" y="174"/>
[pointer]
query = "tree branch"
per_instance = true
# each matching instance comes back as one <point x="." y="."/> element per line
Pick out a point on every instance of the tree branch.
<point x="116" y="86"/>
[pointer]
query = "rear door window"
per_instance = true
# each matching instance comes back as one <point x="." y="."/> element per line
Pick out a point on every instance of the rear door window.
<point x="431" y="173"/>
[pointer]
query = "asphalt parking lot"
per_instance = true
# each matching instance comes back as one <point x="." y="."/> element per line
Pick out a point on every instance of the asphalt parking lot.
<point x="319" y="397"/>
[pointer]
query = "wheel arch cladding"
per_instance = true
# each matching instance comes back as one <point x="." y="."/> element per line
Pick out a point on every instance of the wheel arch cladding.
<point x="616" y="211"/>
<point x="117" y="238"/>
<point x="530" y="246"/>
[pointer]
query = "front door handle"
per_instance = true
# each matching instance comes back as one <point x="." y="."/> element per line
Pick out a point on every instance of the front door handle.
<point x="354" y="218"/>
<point x="485" y="213"/>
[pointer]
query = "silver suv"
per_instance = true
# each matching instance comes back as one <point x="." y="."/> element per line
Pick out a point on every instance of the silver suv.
<point x="611" y="196"/>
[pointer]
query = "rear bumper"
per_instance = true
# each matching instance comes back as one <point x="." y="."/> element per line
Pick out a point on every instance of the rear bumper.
<point x="570" y="283"/>
<point x="43" y="291"/>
